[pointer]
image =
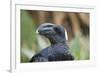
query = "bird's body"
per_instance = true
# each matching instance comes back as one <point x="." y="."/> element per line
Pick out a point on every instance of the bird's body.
<point x="58" y="51"/>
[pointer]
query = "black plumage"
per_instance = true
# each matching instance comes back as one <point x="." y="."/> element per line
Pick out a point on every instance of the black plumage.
<point x="59" y="50"/>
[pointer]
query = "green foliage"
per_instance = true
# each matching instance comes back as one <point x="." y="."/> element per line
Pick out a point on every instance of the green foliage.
<point x="28" y="29"/>
<point x="80" y="48"/>
<point x="28" y="35"/>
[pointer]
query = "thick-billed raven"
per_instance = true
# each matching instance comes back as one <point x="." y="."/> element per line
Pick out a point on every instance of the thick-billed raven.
<point x="58" y="51"/>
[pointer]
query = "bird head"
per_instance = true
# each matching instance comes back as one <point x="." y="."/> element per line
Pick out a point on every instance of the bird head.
<point x="55" y="33"/>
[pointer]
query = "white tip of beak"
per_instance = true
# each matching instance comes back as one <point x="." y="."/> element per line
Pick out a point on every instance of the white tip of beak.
<point x="37" y="31"/>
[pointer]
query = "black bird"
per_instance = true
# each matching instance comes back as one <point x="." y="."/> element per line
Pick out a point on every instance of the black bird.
<point x="59" y="50"/>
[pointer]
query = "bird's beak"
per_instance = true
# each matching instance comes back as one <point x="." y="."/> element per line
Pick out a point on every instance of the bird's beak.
<point x="37" y="31"/>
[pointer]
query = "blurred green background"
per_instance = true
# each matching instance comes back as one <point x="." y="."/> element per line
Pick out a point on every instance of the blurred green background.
<point x="76" y="24"/>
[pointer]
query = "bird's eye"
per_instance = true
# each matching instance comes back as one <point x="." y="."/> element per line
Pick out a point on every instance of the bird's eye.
<point x="57" y="30"/>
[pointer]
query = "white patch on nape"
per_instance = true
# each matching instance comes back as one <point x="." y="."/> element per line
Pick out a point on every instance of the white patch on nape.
<point x="66" y="35"/>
